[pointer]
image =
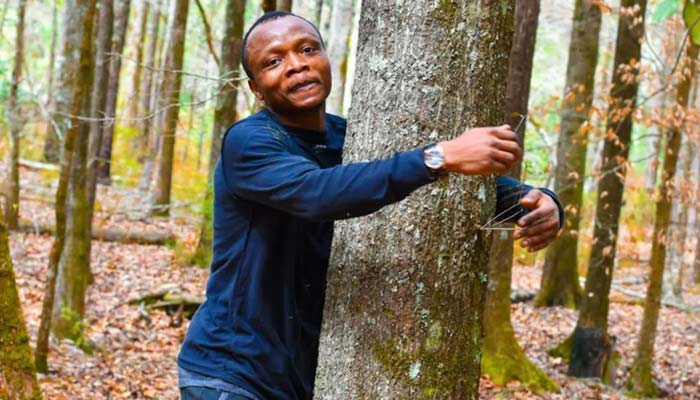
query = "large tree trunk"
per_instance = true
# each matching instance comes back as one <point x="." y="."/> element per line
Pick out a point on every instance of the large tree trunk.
<point x="640" y="380"/>
<point x="341" y="23"/>
<point x="559" y="286"/>
<point x="99" y="94"/>
<point x="82" y="16"/>
<point x="593" y="347"/>
<point x="502" y="358"/>
<point x="74" y="263"/>
<point x="121" y="22"/>
<point x="406" y="285"/>
<point x="174" y="53"/>
<point x="140" y="35"/>
<point x="17" y="373"/>
<point x="224" y="114"/>
<point x="14" y="117"/>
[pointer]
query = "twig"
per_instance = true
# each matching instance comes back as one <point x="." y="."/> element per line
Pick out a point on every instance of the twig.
<point x="207" y="30"/>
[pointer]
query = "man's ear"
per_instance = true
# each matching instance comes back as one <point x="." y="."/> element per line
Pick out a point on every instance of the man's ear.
<point x="254" y="88"/>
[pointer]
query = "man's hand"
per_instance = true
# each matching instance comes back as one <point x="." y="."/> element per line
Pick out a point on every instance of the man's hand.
<point x="482" y="151"/>
<point x="539" y="227"/>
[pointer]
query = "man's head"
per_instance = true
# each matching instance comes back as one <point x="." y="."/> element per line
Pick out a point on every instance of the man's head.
<point x="286" y="62"/>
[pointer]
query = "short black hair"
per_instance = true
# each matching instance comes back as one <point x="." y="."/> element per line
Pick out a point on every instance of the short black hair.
<point x="268" y="16"/>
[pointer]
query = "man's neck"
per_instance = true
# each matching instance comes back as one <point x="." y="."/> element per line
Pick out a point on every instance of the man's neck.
<point x="313" y="120"/>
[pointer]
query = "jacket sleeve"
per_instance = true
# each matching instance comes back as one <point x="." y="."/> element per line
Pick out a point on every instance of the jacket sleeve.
<point x="257" y="167"/>
<point x="509" y="191"/>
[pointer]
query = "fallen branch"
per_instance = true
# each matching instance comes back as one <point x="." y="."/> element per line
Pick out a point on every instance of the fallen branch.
<point x="667" y="303"/>
<point x="106" y="234"/>
<point x="171" y="300"/>
<point x="37" y="165"/>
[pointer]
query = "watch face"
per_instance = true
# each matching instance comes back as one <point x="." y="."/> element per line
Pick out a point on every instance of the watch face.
<point x="434" y="158"/>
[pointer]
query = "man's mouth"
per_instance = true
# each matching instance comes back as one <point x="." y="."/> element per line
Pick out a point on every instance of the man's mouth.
<point x="303" y="86"/>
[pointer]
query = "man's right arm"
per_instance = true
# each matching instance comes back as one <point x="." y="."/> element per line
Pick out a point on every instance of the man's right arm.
<point x="257" y="167"/>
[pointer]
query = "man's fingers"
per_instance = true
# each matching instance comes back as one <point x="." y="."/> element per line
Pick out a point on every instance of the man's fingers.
<point x="533" y="216"/>
<point x="510" y="147"/>
<point x="504" y="132"/>
<point x="538" y="228"/>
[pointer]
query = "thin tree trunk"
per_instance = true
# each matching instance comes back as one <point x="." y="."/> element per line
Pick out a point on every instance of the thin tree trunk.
<point x="406" y="285"/>
<point x="559" y="286"/>
<point x="81" y="14"/>
<point x="52" y="54"/>
<point x="284" y="5"/>
<point x="590" y="345"/>
<point x="640" y="380"/>
<point x="680" y="210"/>
<point x="224" y="115"/>
<point x="99" y="95"/>
<point x="14" y="116"/>
<point x="341" y="23"/>
<point x="268" y="5"/>
<point x="502" y="357"/>
<point x="136" y="81"/>
<point x="174" y="54"/>
<point x="148" y="75"/>
<point x="17" y="372"/>
<point x="121" y="23"/>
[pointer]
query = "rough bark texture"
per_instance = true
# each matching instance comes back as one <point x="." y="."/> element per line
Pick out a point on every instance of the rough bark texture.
<point x="559" y="285"/>
<point x="503" y="359"/>
<point x="14" y="117"/>
<point x="121" y="22"/>
<point x="74" y="263"/>
<point x="224" y="114"/>
<point x="81" y="11"/>
<point x="138" y="67"/>
<point x="341" y="23"/>
<point x="174" y="53"/>
<point x="66" y="78"/>
<point x="17" y="373"/>
<point x="406" y="286"/>
<point x="99" y="93"/>
<point x="640" y="380"/>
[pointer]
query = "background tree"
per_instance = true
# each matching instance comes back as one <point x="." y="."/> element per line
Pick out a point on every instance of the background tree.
<point x="14" y="116"/>
<point x="121" y="22"/>
<point x="591" y="346"/>
<point x="559" y="286"/>
<point x="170" y="88"/>
<point x="74" y="263"/>
<point x="502" y="357"/>
<point x="224" y="113"/>
<point x="406" y="286"/>
<point x="17" y="373"/>
<point x="341" y="21"/>
<point x="140" y="37"/>
<point x="640" y="380"/>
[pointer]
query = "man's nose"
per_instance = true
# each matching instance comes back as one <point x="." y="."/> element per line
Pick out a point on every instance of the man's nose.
<point x="296" y="63"/>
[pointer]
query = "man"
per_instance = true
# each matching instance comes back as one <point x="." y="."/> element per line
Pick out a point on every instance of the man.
<point x="279" y="184"/>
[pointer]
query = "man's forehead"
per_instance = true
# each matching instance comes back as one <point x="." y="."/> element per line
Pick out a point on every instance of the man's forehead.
<point x="279" y="29"/>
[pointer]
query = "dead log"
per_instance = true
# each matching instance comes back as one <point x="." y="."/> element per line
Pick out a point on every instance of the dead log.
<point x="171" y="300"/>
<point x="107" y="234"/>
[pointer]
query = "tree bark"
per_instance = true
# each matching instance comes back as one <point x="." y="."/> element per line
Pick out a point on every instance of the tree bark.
<point x="82" y="14"/>
<point x="174" y="53"/>
<point x="17" y="372"/>
<point x="680" y="210"/>
<point x="640" y="380"/>
<point x="406" y="285"/>
<point x="99" y="94"/>
<point x="623" y="95"/>
<point x="224" y="115"/>
<point x="309" y="9"/>
<point x="502" y="357"/>
<point x="149" y="76"/>
<point x="136" y="81"/>
<point x="63" y="92"/>
<point x="52" y="54"/>
<point x="14" y="117"/>
<point x="121" y="23"/>
<point x="559" y="285"/>
<point x="284" y="5"/>
<point x="341" y="23"/>
<point x="74" y="263"/>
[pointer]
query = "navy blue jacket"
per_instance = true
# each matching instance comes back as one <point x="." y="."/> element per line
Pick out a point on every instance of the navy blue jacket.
<point x="277" y="191"/>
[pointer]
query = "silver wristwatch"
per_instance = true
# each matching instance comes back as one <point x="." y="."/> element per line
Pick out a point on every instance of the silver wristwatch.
<point x="434" y="157"/>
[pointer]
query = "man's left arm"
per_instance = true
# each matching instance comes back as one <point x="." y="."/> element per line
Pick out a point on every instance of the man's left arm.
<point x="537" y="212"/>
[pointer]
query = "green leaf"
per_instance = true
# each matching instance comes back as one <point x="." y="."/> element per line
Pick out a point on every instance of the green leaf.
<point x="664" y="10"/>
<point x="691" y="15"/>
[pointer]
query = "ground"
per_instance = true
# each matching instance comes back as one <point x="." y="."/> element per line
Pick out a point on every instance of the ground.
<point x="136" y="351"/>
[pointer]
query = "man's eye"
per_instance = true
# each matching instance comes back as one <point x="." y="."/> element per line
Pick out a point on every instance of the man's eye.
<point x="308" y="49"/>
<point x="272" y="62"/>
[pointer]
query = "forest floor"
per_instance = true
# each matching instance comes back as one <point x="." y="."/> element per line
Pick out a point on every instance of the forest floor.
<point x="135" y="352"/>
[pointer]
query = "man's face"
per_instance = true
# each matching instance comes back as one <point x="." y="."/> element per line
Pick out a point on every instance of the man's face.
<point x="290" y="67"/>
